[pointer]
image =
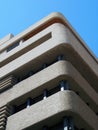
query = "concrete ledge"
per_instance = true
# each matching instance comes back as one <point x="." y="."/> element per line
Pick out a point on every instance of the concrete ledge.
<point x="49" y="78"/>
<point x="7" y="82"/>
<point x="44" y="23"/>
<point x="60" y="104"/>
<point x="56" y="39"/>
<point x="62" y="42"/>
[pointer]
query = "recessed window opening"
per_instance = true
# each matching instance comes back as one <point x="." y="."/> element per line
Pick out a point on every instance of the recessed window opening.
<point x="29" y="47"/>
<point x="97" y="113"/>
<point x="58" y="126"/>
<point x="53" y="91"/>
<point x="36" y="99"/>
<point x="12" y="46"/>
<point x="87" y="103"/>
<point x="46" y="93"/>
<point x="76" y="128"/>
<point x="20" y="107"/>
<point x="45" y="65"/>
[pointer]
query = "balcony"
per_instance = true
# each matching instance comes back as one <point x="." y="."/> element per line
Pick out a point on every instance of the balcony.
<point x="51" y="110"/>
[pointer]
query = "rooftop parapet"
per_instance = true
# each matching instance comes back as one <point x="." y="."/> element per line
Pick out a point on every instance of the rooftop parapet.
<point x="41" y="25"/>
<point x="6" y="38"/>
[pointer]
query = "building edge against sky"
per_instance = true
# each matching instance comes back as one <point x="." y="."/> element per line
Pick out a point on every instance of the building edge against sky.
<point x="49" y="79"/>
<point x="9" y="36"/>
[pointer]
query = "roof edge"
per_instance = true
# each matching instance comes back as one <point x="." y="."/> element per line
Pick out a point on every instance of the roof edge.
<point x="54" y="17"/>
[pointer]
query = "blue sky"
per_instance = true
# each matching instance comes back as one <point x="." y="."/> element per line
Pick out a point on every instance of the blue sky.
<point x="17" y="15"/>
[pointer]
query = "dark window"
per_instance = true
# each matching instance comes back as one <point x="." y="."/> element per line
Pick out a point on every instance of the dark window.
<point x="36" y="99"/>
<point x="20" y="107"/>
<point x="12" y="46"/>
<point x="53" y="91"/>
<point x="57" y="127"/>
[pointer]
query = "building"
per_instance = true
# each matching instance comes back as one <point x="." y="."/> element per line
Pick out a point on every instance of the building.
<point x="49" y="79"/>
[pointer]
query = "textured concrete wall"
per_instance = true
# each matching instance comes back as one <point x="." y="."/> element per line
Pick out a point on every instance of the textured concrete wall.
<point x="57" y="39"/>
<point x="50" y="77"/>
<point x="61" y="38"/>
<point x="51" y="37"/>
<point x="60" y="104"/>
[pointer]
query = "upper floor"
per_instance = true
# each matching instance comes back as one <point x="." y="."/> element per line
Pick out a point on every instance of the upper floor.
<point x="40" y="63"/>
<point x="41" y="43"/>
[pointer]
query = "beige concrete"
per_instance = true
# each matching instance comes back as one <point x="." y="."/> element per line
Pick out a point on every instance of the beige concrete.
<point x="55" y="40"/>
<point x="48" y="78"/>
<point x="60" y="104"/>
<point x="43" y="43"/>
<point x="30" y="44"/>
<point x="64" y="39"/>
<point x="45" y="22"/>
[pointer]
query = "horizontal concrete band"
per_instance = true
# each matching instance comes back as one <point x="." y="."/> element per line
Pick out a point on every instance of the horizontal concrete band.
<point x="26" y="46"/>
<point x="65" y="42"/>
<point x="8" y="82"/>
<point x="60" y="104"/>
<point x="35" y="29"/>
<point x="44" y="23"/>
<point x="28" y="56"/>
<point x="38" y="37"/>
<point x="47" y="79"/>
<point x="4" y="113"/>
<point x="37" y="40"/>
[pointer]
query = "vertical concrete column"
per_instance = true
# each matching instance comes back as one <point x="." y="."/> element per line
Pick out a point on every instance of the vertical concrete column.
<point x="45" y="91"/>
<point x="28" y="102"/>
<point x="21" y="41"/>
<point x="64" y="85"/>
<point x="71" y="124"/>
<point x="45" y="94"/>
<point x="65" y="123"/>
<point x="68" y="123"/>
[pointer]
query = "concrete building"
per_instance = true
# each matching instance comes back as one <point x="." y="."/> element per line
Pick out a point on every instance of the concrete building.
<point x="48" y="79"/>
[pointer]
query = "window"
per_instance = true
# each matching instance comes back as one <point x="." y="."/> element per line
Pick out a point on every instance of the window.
<point x="20" y="107"/>
<point x="12" y="46"/>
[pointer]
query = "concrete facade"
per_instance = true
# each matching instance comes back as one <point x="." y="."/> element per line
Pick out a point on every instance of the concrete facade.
<point x="48" y="79"/>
